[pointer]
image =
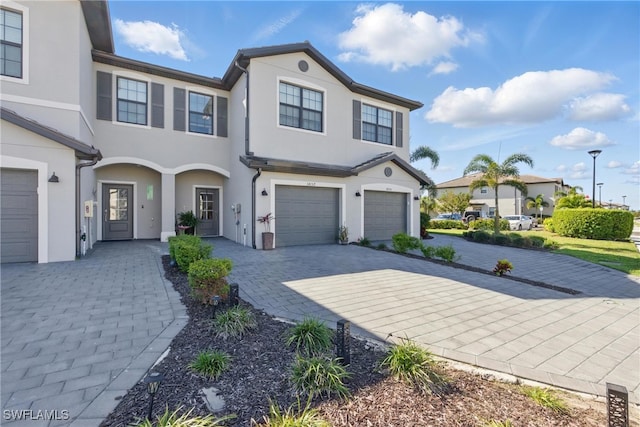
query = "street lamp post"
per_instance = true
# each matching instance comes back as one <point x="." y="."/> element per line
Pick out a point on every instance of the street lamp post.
<point x="624" y="200"/>
<point x="600" y="184"/>
<point x="594" y="154"/>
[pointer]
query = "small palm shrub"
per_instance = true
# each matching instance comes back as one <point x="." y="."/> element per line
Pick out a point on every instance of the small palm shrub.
<point x="234" y="322"/>
<point x="292" y="417"/>
<point x="319" y="375"/>
<point x="311" y="337"/>
<point x="176" y="419"/>
<point x="402" y="243"/>
<point x="413" y="365"/>
<point x="211" y="363"/>
<point x="447" y="253"/>
<point x="546" y="398"/>
<point x="207" y="277"/>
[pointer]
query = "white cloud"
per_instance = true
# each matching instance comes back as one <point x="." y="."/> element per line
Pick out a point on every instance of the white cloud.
<point x="599" y="107"/>
<point x="581" y="138"/>
<point x="148" y="36"/>
<point x="277" y="26"/>
<point x="561" y="168"/>
<point x="387" y="35"/>
<point x="634" y="169"/>
<point x="579" y="171"/>
<point x="532" y="97"/>
<point x="613" y="164"/>
<point x="445" y="67"/>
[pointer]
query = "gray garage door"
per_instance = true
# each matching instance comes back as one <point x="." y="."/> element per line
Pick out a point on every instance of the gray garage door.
<point x="18" y="215"/>
<point x="306" y="216"/>
<point x="385" y="214"/>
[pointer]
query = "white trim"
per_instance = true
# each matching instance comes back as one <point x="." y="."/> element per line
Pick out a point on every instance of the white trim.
<point x="43" y="199"/>
<point x="310" y="184"/>
<point x="305" y="85"/>
<point x="48" y="104"/>
<point x="114" y="90"/>
<point x="220" y="204"/>
<point x="214" y="110"/>
<point x="151" y="165"/>
<point x="8" y="4"/>
<point x="100" y="207"/>
<point x="389" y="188"/>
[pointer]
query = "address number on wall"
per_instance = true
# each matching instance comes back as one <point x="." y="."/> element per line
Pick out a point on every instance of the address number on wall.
<point x="311" y="184"/>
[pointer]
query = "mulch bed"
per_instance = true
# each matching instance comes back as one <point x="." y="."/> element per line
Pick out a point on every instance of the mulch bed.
<point x="259" y="374"/>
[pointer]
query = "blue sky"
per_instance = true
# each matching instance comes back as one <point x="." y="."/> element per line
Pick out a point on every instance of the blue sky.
<point x="549" y="79"/>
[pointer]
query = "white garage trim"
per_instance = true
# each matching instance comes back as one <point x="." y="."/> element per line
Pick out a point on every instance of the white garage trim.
<point x="43" y="199"/>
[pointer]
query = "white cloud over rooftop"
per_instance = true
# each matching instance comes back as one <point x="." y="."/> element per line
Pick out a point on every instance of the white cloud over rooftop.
<point x="581" y="138"/>
<point x="153" y="37"/>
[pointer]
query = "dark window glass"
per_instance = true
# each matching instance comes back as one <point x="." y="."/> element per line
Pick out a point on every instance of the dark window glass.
<point x="132" y="101"/>
<point x="10" y="43"/>
<point x="376" y="124"/>
<point x="300" y="107"/>
<point x="200" y="113"/>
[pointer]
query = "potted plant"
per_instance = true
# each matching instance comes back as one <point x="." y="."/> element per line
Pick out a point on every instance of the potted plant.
<point x="343" y="235"/>
<point x="187" y="221"/>
<point x="267" y="235"/>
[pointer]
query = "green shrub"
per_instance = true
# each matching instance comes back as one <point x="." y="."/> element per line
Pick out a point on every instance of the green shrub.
<point x="487" y="224"/>
<point x="311" y="336"/>
<point x="598" y="224"/>
<point x="516" y="240"/>
<point x="402" y="243"/>
<point x="292" y="417"/>
<point x="548" y="225"/>
<point x="481" y="236"/>
<point x="551" y="244"/>
<point x="381" y="246"/>
<point x="185" y="249"/>
<point x="428" y="251"/>
<point x="319" y="375"/>
<point x="413" y="365"/>
<point x="211" y="363"/>
<point x="502" y="267"/>
<point x="363" y="241"/>
<point x="447" y="253"/>
<point x="424" y="220"/>
<point x="500" y="239"/>
<point x="537" y="241"/>
<point x="546" y="398"/>
<point x="176" y="419"/>
<point x="493" y="423"/>
<point x="207" y="277"/>
<point x="447" y="224"/>
<point x="234" y="322"/>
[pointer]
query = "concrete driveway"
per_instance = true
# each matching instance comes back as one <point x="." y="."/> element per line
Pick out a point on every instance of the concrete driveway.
<point x="77" y="335"/>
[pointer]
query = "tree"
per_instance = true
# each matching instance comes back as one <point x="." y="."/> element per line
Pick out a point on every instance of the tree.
<point x="424" y="152"/>
<point x="572" y="199"/>
<point x="536" y="203"/>
<point x="493" y="175"/>
<point x="427" y="204"/>
<point x="454" y="202"/>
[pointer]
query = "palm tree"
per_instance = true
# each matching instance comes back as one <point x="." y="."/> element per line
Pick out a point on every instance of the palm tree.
<point x="493" y="175"/>
<point x="536" y="203"/>
<point x="572" y="199"/>
<point x="424" y="152"/>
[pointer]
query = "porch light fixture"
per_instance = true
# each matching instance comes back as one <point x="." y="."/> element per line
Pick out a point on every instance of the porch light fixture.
<point x="358" y="194"/>
<point x="215" y="300"/>
<point x="54" y="178"/>
<point x="152" y="381"/>
<point x="264" y="192"/>
<point x="416" y="198"/>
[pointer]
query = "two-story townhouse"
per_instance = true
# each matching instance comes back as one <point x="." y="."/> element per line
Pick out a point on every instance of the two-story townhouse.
<point x="283" y="131"/>
<point x="510" y="200"/>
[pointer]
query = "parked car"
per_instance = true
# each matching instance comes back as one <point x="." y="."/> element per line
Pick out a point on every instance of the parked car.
<point x="449" y="216"/>
<point x="519" y="222"/>
<point x="473" y="215"/>
<point x="534" y="221"/>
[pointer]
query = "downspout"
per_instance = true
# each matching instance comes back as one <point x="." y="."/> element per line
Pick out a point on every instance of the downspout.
<point x="253" y="206"/>
<point x="78" y="207"/>
<point x="247" y="151"/>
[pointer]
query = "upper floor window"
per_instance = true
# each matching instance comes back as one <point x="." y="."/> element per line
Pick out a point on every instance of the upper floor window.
<point x="200" y="113"/>
<point x="376" y="124"/>
<point x="132" y="101"/>
<point x="300" y="107"/>
<point x="10" y="43"/>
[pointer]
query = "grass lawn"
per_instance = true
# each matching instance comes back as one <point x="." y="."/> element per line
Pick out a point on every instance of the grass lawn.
<point x="621" y="256"/>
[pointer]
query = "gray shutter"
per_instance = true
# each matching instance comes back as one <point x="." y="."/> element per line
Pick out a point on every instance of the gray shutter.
<point x="103" y="106"/>
<point x="221" y="116"/>
<point x="357" y="119"/>
<point x="179" y="101"/>
<point x="157" y="105"/>
<point x="398" y="129"/>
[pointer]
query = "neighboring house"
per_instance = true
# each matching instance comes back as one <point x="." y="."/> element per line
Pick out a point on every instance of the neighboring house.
<point x="511" y="201"/>
<point x="132" y="144"/>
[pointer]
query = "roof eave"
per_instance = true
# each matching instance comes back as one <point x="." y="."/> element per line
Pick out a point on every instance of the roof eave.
<point x="98" y="21"/>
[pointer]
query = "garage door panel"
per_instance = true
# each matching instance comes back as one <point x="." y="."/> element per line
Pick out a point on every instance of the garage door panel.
<point x="19" y="216"/>
<point x="385" y="214"/>
<point x="305" y="216"/>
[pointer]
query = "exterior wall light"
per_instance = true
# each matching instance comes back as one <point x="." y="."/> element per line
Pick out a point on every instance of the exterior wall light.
<point x="54" y="178"/>
<point x="264" y="192"/>
<point x="358" y="194"/>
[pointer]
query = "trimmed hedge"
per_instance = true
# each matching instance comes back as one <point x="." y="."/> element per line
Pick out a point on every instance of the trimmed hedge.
<point x="207" y="277"/>
<point x="186" y="248"/>
<point x="487" y="224"/>
<point x="446" y="224"/>
<point x="597" y="224"/>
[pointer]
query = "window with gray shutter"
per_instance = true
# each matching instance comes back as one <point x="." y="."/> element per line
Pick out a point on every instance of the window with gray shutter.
<point x="357" y="120"/>
<point x="157" y="105"/>
<point x="221" y="116"/>
<point x="103" y="106"/>
<point x="398" y="129"/>
<point x="179" y="101"/>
